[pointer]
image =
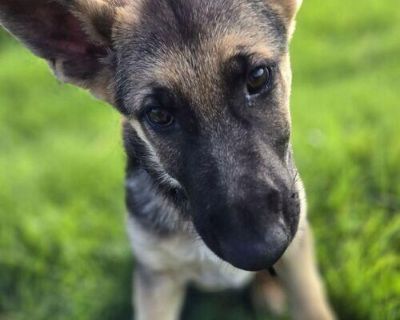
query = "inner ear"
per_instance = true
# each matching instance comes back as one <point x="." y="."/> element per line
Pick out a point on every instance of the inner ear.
<point x="76" y="51"/>
<point x="47" y="28"/>
<point x="74" y="36"/>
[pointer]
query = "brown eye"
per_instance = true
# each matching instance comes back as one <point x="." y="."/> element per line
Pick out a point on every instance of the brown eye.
<point x="159" y="118"/>
<point x="258" y="79"/>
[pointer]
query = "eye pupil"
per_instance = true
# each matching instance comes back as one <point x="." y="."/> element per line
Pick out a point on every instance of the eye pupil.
<point x="159" y="117"/>
<point x="258" y="79"/>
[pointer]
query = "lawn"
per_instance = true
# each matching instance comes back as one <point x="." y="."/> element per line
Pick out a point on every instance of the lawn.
<point x="63" y="249"/>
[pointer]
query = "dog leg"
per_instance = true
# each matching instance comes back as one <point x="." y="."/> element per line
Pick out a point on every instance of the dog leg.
<point x="269" y="294"/>
<point x="157" y="295"/>
<point x="302" y="281"/>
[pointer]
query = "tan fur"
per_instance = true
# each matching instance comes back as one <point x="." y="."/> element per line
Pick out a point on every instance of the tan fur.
<point x="268" y="293"/>
<point x="89" y="10"/>
<point x="287" y="8"/>
<point x="106" y="11"/>
<point x="175" y="71"/>
<point x="233" y="43"/>
<point x="285" y="74"/>
<point x="126" y="16"/>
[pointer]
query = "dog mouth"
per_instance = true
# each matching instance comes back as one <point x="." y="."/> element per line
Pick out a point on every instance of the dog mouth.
<point x="248" y="242"/>
<point x="272" y="272"/>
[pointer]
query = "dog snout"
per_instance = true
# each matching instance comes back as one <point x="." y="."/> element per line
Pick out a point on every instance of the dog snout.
<point x="252" y="231"/>
<point x="256" y="253"/>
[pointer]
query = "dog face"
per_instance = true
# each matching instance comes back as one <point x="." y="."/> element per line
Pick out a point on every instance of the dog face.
<point x="204" y="87"/>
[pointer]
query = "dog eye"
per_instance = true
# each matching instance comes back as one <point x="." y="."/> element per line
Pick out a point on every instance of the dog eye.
<point x="258" y="79"/>
<point x="159" y="118"/>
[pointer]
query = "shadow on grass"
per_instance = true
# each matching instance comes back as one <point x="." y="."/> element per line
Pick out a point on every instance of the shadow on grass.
<point x="232" y="305"/>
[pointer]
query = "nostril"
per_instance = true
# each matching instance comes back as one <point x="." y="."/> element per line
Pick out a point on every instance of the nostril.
<point x="291" y="212"/>
<point x="274" y="200"/>
<point x="294" y="196"/>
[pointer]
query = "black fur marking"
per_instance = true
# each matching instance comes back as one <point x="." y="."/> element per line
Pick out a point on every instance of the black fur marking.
<point x="154" y="208"/>
<point x="155" y="205"/>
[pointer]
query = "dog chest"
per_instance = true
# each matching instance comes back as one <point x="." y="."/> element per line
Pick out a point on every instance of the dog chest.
<point x="186" y="255"/>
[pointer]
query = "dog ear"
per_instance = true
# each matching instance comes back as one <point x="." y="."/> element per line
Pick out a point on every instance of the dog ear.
<point x="288" y="8"/>
<point x="74" y="36"/>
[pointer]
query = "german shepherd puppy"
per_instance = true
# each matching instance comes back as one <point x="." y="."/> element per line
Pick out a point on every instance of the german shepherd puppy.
<point x="203" y="87"/>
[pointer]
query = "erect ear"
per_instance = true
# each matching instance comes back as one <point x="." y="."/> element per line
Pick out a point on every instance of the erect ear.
<point x="288" y="10"/>
<point x="74" y="36"/>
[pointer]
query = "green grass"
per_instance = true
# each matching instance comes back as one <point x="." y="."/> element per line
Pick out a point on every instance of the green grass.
<point x="63" y="249"/>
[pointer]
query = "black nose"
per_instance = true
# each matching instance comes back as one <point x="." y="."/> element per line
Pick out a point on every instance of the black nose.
<point x="255" y="252"/>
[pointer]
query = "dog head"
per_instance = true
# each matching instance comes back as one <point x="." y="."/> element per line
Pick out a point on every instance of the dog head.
<point x="204" y="86"/>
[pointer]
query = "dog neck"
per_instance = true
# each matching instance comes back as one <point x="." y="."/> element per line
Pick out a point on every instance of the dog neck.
<point x="156" y="206"/>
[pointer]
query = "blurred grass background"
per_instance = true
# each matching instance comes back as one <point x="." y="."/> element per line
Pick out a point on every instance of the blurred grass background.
<point x="63" y="249"/>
